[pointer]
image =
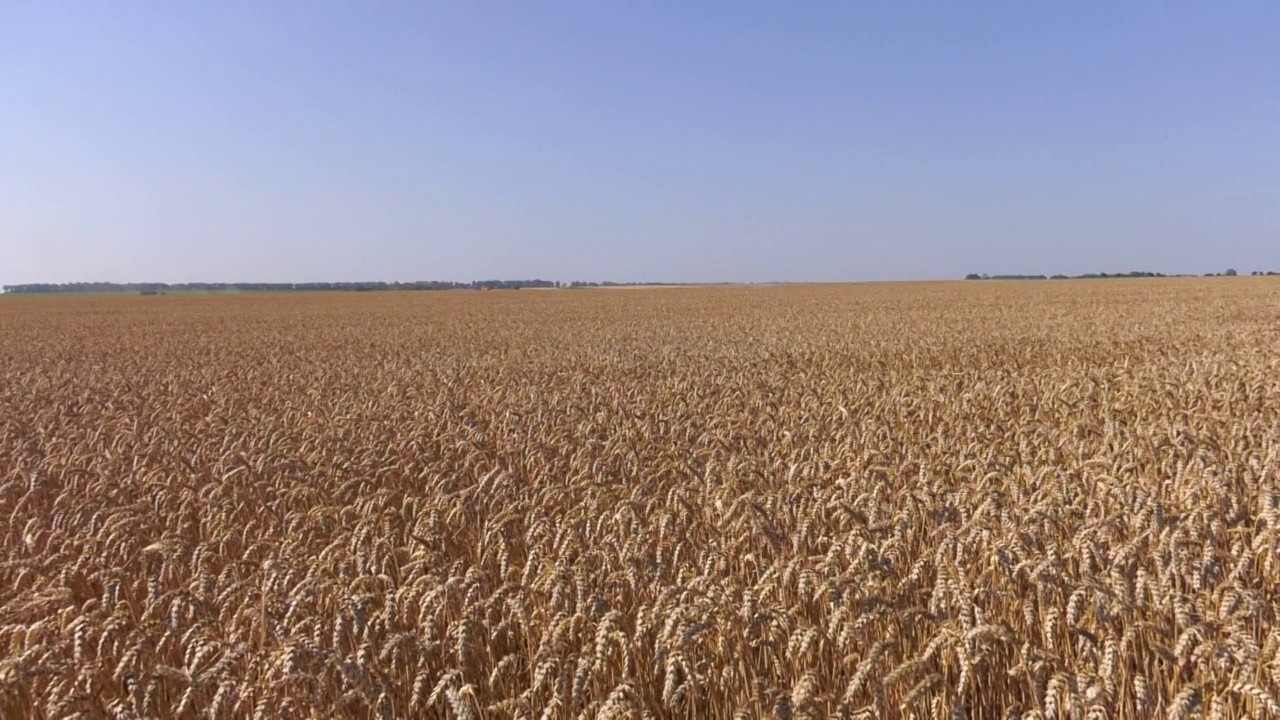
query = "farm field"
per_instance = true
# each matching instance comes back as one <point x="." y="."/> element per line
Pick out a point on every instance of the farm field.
<point x="1053" y="499"/>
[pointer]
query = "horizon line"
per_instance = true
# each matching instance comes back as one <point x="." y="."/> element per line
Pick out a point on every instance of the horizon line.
<point x="540" y="283"/>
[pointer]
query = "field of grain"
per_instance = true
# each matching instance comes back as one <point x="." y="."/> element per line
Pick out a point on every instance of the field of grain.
<point x="1035" y="500"/>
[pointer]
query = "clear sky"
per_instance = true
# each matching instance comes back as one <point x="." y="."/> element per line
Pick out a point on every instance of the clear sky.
<point x="243" y="140"/>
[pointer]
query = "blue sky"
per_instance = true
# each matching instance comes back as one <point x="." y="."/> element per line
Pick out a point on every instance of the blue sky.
<point x="715" y="141"/>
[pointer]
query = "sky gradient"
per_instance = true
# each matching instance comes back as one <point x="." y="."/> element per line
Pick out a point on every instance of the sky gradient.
<point x="659" y="141"/>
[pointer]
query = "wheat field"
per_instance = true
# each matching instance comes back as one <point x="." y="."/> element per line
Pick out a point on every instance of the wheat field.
<point x="945" y="500"/>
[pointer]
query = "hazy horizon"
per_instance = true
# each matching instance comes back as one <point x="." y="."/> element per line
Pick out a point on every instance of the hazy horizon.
<point x="556" y="283"/>
<point x="723" y="142"/>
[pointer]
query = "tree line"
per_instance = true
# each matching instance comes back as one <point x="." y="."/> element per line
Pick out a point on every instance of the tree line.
<point x="371" y="286"/>
<point x="1092" y="276"/>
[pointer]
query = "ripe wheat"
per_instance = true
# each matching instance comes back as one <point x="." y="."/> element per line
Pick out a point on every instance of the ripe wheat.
<point x="1056" y="500"/>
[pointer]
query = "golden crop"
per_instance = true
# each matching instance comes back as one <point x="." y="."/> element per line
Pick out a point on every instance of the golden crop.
<point x="1029" y="500"/>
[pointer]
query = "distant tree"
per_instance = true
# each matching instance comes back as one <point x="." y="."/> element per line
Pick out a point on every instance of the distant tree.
<point x="1231" y="272"/>
<point x="973" y="276"/>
